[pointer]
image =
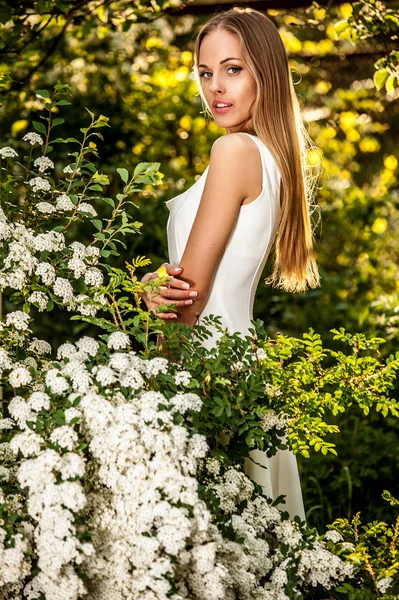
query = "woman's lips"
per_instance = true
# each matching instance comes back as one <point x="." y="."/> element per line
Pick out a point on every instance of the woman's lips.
<point x="221" y="111"/>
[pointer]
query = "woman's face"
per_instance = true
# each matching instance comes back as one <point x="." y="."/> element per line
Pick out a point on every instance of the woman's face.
<point x="226" y="81"/>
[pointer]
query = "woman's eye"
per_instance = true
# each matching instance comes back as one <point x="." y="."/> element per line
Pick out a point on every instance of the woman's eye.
<point x="205" y="72"/>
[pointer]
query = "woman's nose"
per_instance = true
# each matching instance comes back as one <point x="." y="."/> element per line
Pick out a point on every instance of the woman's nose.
<point x="215" y="85"/>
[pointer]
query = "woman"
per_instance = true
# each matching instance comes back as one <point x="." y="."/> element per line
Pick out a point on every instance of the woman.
<point x="256" y="191"/>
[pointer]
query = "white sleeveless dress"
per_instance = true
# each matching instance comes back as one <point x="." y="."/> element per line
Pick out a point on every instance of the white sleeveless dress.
<point x="233" y="292"/>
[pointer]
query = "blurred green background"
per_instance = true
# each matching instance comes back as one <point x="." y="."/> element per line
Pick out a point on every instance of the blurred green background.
<point x="132" y="63"/>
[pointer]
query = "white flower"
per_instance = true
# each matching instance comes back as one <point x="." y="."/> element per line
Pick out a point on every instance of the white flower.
<point x="182" y="378"/>
<point x="20" y="411"/>
<point x="92" y="252"/>
<point x="38" y="184"/>
<point x="72" y="465"/>
<point x="28" y="442"/>
<point x="6" y="424"/>
<point x="45" y="208"/>
<point x="66" y="350"/>
<point x="56" y="382"/>
<point x="79" y="250"/>
<point x="85" y="308"/>
<point x="44" y="163"/>
<point x="40" y="346"/>
<point x="30" y="362"/>
<point x="64" y="203"/>
<point x="333" y="536"/>
<point x="184" y="402"/>
<point x="64" y="436"/>
<point x="87" y="208"/>
<point x="5" y="231"/>
<point x="19" y="377"/>
<point x="71" y="169"/>
<point x="156" y="365"/>
<point x="72" y="413"/>
<point x="118" y="341"/>
<point x="16" y="279"/>
<point x="77" y="266"/>
<point x="7" y="152"/>
<point x="39" y="401"/>
<point x="383" y="584"/>
<point x="63" y="288"/>
<point x="94" y="277"/>
<point x="46" y="272"/>
<point x="40" y="299"/>
<point x="5" y="361"/>
<point x="88" y="345"/>
<point x="52" y="241"/>
<point x="213" y="466"/>
<point x="271" y="420"/>
<point x="105" y="375"/>
<point x="33" y="138"/>
<point x="119" y="361"/>
<point x="19" y="319"/>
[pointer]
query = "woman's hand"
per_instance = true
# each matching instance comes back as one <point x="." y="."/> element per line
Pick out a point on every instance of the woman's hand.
<point x="176" y="292"/>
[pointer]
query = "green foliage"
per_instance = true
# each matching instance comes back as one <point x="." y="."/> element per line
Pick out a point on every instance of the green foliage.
<point x="373" y="550"/>
<point x="134" y="67"/>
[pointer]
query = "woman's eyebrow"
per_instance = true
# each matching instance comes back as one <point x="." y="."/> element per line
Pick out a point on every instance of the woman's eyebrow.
<point x="222" y="61"/>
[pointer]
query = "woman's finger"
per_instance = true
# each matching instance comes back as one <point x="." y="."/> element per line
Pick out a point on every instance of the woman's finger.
<point x="166" y="302"/>
<point x="172" y="270"/>
<point x="178" y="294"/>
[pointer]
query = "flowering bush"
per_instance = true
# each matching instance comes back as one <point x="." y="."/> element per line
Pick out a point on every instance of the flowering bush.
<point x="108" y="490"/>
<point x="114" y="478"/>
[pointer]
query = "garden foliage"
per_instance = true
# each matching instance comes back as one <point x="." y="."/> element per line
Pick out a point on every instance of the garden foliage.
<point x="123" y="470"/>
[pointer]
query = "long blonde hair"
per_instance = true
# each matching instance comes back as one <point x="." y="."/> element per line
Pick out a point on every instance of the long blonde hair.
<point x="277" y="121"/>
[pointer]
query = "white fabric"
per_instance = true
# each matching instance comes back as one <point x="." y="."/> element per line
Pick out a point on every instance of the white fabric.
<point x="233" y="292"/>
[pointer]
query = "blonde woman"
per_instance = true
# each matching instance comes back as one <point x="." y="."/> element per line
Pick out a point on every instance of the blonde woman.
<point x="255" y="193"/>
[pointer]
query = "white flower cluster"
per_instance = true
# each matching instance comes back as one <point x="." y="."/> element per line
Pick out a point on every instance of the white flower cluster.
<point x="144" y="479"/>
<point x="153" y="536"/>
<point x="23" y="249"/>
<point x="70" y="169"/>
<point x="8" y="152"/>
<point x="43" y="163"/>
<point x="46" y="208"/>
<point x="38" y="184"/>
<point x="384" y="584"/>
<point x="18" y="319"/>
<point x="259" y="558"/>
<point x="64" y="203"/>
<point x="271" y="420"/>
<point x="33" y="138"/>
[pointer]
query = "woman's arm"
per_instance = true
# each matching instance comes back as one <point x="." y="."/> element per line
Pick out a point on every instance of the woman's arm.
<point x="225" y="189"/>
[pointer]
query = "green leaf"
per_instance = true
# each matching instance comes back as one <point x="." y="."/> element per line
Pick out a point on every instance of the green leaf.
<point x="43" y="93"/>
<point x="57" y="121"/>
<point x="124" y="174"/>
<point x="39" y="127"/>
<point x="109" y="201"/>
<point x="97" y="224"/>
<point x="63" y="103"/>
<point x="5" y="14"/>
<point x="380" y="78"/>
<point x="140" y="168"/>
<point x="392" y="83"/>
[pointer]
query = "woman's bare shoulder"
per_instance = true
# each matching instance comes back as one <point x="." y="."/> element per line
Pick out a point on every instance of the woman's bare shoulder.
<point x="243" y="154"/>
<point x="234" y="141"/>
